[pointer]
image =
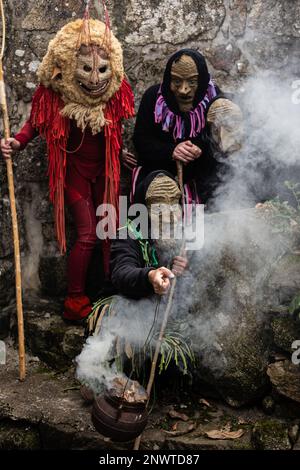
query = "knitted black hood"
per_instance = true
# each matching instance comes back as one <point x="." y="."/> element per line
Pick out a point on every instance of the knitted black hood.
<point x="203" y="78"/>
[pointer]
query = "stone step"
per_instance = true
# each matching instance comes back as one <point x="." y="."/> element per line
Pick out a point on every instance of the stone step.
<point x="47" y="336"/>
<point x="46" y="410"/>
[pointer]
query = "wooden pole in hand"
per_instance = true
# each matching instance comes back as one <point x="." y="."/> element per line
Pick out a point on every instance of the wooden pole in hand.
<point x="156" y="353"/>
<point x="9" y="167"/>
<point x="180" y="177"/>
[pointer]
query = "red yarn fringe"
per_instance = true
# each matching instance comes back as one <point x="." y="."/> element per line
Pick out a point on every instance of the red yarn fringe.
<point x="46" y="118"/>
<point x="120" y="106"/>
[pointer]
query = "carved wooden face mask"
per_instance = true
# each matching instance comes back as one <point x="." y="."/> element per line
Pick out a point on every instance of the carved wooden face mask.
<point x="226" y="123"/>
<point x="162" y="200"/>
<point x="184" y="82"/>
<point x="93" y="71"/>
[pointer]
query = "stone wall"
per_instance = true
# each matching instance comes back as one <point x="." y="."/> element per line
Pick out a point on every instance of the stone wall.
<point x="238" y="37"/>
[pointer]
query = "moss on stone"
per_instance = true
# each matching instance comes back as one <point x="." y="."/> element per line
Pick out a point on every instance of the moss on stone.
<point x="268" y="404"/>
<point x="18" y="437"/>
<point x="246" y="351"/>
<point x="285" y="332"/>
<point x="271" y="434"/>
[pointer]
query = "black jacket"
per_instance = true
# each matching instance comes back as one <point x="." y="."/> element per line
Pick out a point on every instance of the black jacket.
<point x="129" y="275"/>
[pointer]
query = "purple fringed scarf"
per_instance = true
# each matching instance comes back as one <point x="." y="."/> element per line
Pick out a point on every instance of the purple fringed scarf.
<point x="170" y="120"/>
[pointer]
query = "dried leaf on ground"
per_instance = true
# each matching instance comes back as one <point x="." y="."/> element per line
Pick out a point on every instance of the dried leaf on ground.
<point x="175" y="414"/>
<point x="222" y="434"/>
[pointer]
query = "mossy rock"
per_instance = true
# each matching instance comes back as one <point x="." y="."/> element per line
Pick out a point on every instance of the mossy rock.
<point x="285" y="378"/>
<point x="268" y="404"/>
<point x="285" y="332"/>
<point x="73" y="341"/>
<point x="271" y="434"/>
<point x="52" y="274"/>
<point x="237" y="370"/>
<point x="7" y="291"/>
<point x="5" y="315"/>
<point x="52" y="340"/>
<point x="283" y="284"/>
<point x="18" y="437"/>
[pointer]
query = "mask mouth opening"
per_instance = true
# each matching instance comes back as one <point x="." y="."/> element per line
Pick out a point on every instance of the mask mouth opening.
<point x="185" y="98"/>
<point x="94" y="90"/>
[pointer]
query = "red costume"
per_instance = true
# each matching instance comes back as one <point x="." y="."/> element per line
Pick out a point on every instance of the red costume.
<point x="85" y="169"/>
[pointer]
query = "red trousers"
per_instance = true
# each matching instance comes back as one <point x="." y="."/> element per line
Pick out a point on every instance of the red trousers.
<point x="83" y="197"/>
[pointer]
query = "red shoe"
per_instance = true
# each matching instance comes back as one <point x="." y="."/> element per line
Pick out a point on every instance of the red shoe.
<point x="76" y="309"/>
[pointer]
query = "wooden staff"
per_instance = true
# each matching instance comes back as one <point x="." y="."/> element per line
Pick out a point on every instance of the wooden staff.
<point x="156" y="353"/>
<point x="180" y="177"/>
<point x="9" y="167"/>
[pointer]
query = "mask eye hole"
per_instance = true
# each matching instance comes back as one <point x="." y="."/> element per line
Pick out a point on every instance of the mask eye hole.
<point x="103" y="69"/>
<point x="87" y="68"/>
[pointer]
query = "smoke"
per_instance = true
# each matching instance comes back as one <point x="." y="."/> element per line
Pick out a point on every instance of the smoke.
<point x="92" y="367"/>
<point x="31" y="280"/>
<point x="127" y="327"/>
<point x="227" y="276"/>
<point x="271" y="148"/>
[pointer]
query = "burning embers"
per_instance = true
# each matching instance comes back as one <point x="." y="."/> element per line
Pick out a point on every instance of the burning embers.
<point x="129" y="391"/>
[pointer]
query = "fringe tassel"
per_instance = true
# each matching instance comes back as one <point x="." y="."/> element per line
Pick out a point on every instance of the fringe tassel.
<point x="119" y="107"/>
<point x="45" y="117"/>
<point x="175" y="123"/>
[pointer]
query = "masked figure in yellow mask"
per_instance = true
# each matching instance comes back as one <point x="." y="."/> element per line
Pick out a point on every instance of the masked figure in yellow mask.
<point x="78" y="108"/>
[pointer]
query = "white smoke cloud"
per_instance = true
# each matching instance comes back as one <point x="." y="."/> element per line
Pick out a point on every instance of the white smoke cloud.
<point x="271" y="149"/>
<point x="92" y="368"/>
<point x="30" y="275"/>
<point x="132" y="321"/>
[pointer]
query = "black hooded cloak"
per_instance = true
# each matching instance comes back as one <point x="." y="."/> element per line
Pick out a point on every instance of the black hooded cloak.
<point x="155" y="146"/>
